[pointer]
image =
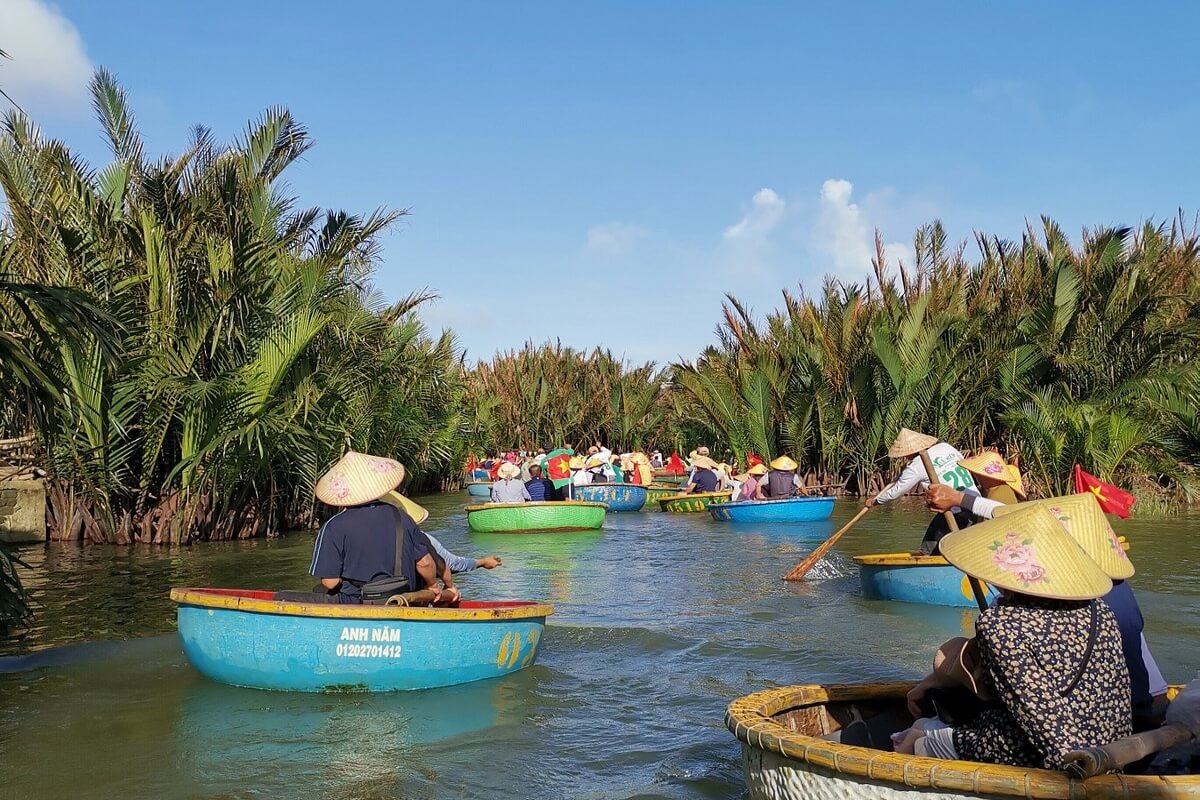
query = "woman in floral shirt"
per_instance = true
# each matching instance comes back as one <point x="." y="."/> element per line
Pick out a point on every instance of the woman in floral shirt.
<point x="1046" y="660"/>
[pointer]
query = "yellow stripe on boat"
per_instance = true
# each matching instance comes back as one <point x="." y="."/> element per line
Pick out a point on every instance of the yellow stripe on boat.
<point x="203" y="599"/>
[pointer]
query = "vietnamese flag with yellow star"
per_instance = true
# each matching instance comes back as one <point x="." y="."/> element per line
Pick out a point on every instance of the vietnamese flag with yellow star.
<point x="558" y="467"/>
<point x="1112" y="499"/>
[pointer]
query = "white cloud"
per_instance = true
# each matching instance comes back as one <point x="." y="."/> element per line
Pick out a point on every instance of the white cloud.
<point x="613" y="238"/>
<point x="765" y="214"/>
<point x="845" y="233"/>
<point x="49" y="69"/>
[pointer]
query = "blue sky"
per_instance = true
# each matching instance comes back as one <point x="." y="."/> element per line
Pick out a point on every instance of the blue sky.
<point x="605" y="172"/>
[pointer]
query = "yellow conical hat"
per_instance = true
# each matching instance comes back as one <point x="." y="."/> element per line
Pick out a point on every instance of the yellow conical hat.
<point x="704" y="462"/>
<point x="757" y="469"/>
<point x="418" y="513"/>
<point x="784" y="463"/>
<point x="1083" y="518"/>
<point x="909" y="443"/>
<point x="1026" y="551"/>
<point x="508" y="470"/>
<point x="358" y="478"/>
<point x="576" y="462"/>
<point x="989" y="464"/>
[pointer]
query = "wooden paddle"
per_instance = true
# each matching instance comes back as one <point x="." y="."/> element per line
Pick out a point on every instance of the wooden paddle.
<point x="976" y="586"/>
<point x="800" y="570"/>
<point x="1123" y="752"/>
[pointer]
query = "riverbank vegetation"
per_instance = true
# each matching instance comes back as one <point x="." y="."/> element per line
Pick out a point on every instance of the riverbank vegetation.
<point x="1060" y="355"/>
<point x="192" y="348"/>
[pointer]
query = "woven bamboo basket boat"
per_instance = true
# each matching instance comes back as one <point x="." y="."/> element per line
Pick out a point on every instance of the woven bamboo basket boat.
<point x="790" y="752"/>
<point x="617" y="496"/>
<point x="547" y="517"/>
<point x="696" y="503"/>
<point x="656" y="492"/>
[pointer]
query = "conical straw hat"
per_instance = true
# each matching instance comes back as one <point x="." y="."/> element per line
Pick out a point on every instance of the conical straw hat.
<point x="418" y="513"/>
<point x="576" y="462"/>
<point x="704" y="462"/>
<point x="757" y="469"/>
<point x="640" y="458"/>
<point x="508" y="471"/>
<point x="358" y="478"/>
<point x="909" y="443"/>
<point x="1026" y="551"/>
<point x="784" y="463"/>
<point x="989" y="464"/>
<point x="1083" y="518"/>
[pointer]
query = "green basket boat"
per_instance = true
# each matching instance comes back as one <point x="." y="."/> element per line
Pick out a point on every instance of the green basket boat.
<point x="696" y="503"/>
<point x="656" y="492"/>
<point x="549" y="517"/>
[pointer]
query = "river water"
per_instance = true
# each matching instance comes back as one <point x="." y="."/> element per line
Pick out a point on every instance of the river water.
<point x="660" y="621"/>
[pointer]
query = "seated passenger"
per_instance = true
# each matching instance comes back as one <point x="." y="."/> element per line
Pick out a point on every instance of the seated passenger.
<point x="355" y="554"/>
<point x="579" y="475"/>
<point x="1046" y="660"/>
<point x="595" y="467"/>
<point x="538" y="488"/>
<point x="1081" y="516"/>
<point x="508" y="487"/>
<point x="781" y="480"/>
<point x="751" y="483"/>
<point x="704" y="476"/>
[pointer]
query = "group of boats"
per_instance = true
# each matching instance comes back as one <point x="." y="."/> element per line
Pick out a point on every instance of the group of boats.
<point x="792" y="738"/>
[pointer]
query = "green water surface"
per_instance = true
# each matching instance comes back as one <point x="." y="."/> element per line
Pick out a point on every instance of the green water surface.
<point x="660" y="621"/>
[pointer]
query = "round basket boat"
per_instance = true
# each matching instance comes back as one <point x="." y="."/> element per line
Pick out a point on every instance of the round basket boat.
<point x="542" y="517"/>
<point x="696" y="503"/>
<point x="791" y="751"/>
<point x="245" y="638"/>
<point x="789" y="509"/>
<point x="480" y="475"/>
<point x="656" y="492"/>
<point x="479" y="488"/>
<point x="669" y="478"/>
<point x="914" y="578"/>
<point x="617" y="496"/>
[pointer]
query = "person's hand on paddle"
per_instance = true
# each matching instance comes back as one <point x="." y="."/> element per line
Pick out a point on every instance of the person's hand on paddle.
<point x="870" y="501"/>
<point x="488" y="562"/>
<point x="942" y="498"/>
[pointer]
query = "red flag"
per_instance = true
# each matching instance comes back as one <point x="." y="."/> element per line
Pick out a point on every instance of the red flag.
<point x="495" y="473"/>
<point x="558" y="467"/>
<point x="471" y="464"/>
<point x="752" y="459"/>
<point x="1113" y="500"/>
<point x="675" y="465"/>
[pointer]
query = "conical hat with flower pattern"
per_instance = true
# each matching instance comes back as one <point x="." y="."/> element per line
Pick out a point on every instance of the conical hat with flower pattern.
<point x="1083" y="518"/>
<point x="1027" y="551"/>
<point x="989" y="464"/>
<point x="358" y="478"/>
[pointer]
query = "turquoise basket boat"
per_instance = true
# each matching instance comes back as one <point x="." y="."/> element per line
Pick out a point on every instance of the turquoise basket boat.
<point x="541" y="517"/>
<point x="479" y="488"/>
<point x="791" y="509"/>
<point x="246" y="638"/>
<point x="617" y="496"/>
<point x="913" y="578"/>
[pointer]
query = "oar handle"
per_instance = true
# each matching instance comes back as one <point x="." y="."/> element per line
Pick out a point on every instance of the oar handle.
<point x="1123" y="752"/>
<point x="948" y="515"/>
<point x="801" y="569"/>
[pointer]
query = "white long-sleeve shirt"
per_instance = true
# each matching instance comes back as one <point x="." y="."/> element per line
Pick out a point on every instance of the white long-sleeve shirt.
<point x="945" y="460"/>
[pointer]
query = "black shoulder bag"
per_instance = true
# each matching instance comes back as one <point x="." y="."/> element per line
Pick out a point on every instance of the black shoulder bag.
<point x="377" y="592"/>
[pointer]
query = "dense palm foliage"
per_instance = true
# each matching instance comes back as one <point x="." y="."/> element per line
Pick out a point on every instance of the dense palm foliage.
<point x="192" y="348"/>
<point x="1058" y="354"/>
<point x="553" y="395"/>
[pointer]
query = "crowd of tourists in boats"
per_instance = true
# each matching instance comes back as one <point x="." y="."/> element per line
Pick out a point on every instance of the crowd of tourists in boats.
<point x="519" y="476"/>
<point x="1059" y="663"/>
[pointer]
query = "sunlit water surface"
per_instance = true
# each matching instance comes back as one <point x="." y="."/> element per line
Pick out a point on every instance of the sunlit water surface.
<point x="660" y="621"/>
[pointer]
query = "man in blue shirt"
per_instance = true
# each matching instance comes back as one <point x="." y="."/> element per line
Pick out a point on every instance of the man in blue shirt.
<point x="704" y="479"/>
<point x="540" y="489"/>
<point x="357" y="545"/>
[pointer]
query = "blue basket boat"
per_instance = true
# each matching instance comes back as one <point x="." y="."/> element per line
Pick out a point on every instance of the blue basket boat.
<point x="245" y="638"/>
<point x="913" y="578"/>
<point x="480" y="475"/>
<point x="790" y="509"/>
<point x="479" y="488"/>
<point x="617" y="496"/>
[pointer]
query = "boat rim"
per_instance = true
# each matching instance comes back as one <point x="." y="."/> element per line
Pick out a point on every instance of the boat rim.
<point x="233" y="600"/>
<point x="901" y="560"/>
<point x="751" y="720"/>
<point x="681" y="496"/>
<point x="534" y="503"/>
<point x="771" y="502"/>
